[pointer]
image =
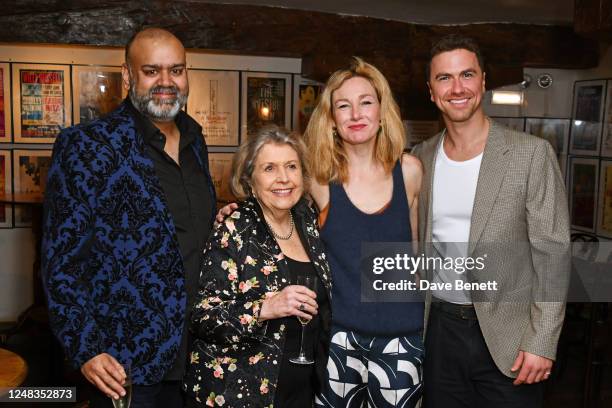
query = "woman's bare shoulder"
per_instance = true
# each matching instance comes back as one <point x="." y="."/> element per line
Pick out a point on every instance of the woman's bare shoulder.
<point x="319" y="193"/>
<point x="411" y="165"/>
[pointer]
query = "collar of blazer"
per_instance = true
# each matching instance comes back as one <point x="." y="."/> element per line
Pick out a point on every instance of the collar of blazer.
<point x="492" y="171"/>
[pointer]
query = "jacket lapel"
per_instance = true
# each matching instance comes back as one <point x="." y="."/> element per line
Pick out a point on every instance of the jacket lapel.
<point x="492" y="171"/>
<point x="146" y="170"/>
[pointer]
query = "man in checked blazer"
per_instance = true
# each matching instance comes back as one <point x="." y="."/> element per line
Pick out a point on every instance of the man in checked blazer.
<point x="500" y="192"/>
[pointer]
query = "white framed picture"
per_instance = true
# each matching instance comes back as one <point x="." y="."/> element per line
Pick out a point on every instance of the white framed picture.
<point x="606" y="141"/>
<point x="306" y="95"/>
<point x="213" y="103"/>
<point x="604" y="216"/>
<point x="5" y="103"/>
<point x="587" y="115"/>
<point x="556" y="132"/>
<point x="41" y="102"/>
<point x="265" y="99"/>
<point x="30" y="170"/>
<point x="96" y="91"/>
<point x="220" y="165"/>
<point x="6" y="180"/>
<point x="583" y="186"/>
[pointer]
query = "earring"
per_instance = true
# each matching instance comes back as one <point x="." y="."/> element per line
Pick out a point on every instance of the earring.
<point x="335" y="132"/>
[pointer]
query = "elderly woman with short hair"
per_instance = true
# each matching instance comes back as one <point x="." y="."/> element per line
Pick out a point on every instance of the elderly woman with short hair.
<point x="244" y="320"/>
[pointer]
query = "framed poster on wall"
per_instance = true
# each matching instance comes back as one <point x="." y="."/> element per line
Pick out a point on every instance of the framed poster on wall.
<point x="587" y="114"/>
<point x="30" y="169"/>
<point x="5" y="103"/>
<point x="604" y="217"/>
<point x="96" y="91"/>
<point x="220" y="165"/>
<point x="583" y="185"/>
<point x="265" y="100"/>
<point x="306" y="93"/>
<point x="555" y="131"/>
<point x="6" y="212"/>
<point x="41" y="102"/>
<point x="606" y="142"/>
<point x="213" y="103"/>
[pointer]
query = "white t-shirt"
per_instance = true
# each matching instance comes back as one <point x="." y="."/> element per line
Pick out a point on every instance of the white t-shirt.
<point x="454" y="189"/>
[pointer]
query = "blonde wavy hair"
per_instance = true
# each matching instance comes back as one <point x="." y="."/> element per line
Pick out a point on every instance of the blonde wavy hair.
<point x="326" y="146"/>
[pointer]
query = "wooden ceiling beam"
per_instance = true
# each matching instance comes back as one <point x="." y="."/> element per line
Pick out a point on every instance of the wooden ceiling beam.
<point x="593" y="18"/>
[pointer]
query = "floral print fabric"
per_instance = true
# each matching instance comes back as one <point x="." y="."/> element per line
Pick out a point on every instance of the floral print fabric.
<point x="234" y="361"/>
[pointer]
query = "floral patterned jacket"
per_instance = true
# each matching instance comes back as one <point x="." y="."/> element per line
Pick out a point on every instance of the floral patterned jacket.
<point x="234" y="361"/>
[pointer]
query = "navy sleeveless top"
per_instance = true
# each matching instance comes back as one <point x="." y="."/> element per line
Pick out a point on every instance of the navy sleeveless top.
<point x="345" y="228"/>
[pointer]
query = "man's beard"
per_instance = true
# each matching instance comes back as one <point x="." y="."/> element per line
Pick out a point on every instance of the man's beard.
<point x="164" y="110"/>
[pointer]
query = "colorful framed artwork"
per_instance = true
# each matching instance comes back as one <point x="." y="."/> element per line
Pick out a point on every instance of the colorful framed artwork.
<point x="41" y="102"/>
<point x="220" y="165"/>
<point x="606" y="142"/>
<point x="512" y="123"/>
<point x="306" y="93"/>
<point x="6" y="180"/>
<point x="604" y="216"/>
<point x="30" y="169"/>
<point x="213" y="103"/>
<point x="587" y="114"/>
<point x="5" y="103"/>
<point x="555" y="131"/>
<point x="265" y="99"/>
<point x="96" y="91"/>
<point x="583" y="185"/>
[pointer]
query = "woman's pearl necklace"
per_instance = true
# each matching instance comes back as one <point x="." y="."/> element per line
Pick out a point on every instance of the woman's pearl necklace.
<point x="283" y="237"/>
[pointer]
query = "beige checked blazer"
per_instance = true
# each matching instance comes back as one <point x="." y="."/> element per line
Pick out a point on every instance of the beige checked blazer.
<point x="521" y="202"/>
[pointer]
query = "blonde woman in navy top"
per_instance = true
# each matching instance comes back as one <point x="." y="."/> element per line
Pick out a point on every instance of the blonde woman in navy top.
<point x="366" y="189"/>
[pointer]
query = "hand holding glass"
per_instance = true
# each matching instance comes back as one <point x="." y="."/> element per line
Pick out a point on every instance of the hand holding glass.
<point x="124" y="402"/>
<point x="309" y="281"/>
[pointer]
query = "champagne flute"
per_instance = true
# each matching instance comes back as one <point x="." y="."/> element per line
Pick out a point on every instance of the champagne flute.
<point x="124" y="402"/>
<point x="309" y="281"/>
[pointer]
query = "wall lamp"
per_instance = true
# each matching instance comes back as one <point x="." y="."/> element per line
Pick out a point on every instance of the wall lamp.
<point x="507" y="97"/>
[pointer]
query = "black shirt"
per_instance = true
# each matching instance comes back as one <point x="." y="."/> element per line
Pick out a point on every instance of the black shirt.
<point x="189" y="201"/>
<point x="297" y="383"/>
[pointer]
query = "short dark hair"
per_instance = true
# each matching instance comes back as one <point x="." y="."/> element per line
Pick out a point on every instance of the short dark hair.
<point x="453" y="42"/>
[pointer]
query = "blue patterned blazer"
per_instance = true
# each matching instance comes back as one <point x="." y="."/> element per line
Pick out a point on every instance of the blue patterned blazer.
<point x="111" y="265"/>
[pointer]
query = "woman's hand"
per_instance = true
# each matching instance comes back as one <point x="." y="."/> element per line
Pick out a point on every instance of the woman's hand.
<point x="293" y="300"/>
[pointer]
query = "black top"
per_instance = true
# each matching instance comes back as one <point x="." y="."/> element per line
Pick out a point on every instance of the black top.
<point x="188" y="198"/>
<point x="297" y="383"/>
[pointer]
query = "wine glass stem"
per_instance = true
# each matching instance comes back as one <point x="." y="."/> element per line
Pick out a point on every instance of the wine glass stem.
<point x="302" y="355"/>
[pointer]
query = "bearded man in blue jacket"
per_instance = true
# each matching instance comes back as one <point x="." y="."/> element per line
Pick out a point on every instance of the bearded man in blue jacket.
<point x="128" y="208"/>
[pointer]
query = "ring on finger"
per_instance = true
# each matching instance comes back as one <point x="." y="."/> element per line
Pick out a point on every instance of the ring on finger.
<point x="302" y="307"/>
